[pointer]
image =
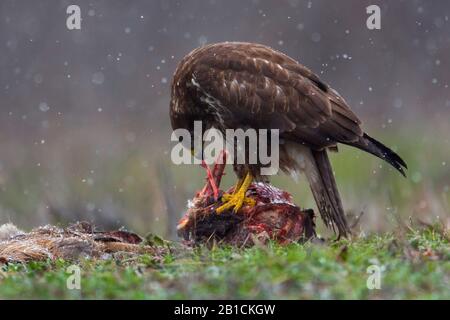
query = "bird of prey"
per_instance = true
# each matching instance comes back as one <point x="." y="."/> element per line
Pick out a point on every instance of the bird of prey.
<point x="235" y="85"/>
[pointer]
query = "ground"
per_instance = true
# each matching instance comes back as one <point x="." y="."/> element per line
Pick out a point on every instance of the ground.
<point x="414" y="264"/>
<point x="416" y="260"/>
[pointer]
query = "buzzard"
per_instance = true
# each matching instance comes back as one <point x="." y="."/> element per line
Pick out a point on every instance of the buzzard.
<point x="235" y="85"/>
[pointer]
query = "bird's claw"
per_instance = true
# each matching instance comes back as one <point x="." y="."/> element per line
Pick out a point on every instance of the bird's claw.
<point x="235" y="201"/>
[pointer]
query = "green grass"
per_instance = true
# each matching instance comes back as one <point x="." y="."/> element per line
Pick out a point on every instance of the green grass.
<point x="415" y="264"/>
<point x="128" y="186"/>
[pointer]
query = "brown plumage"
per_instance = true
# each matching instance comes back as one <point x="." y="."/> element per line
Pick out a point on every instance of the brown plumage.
<point x="246" y="85"/>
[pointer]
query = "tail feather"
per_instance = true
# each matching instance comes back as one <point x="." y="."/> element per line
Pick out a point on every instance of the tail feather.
<point x="323" y="186"/>
<point x="369" y="144"/>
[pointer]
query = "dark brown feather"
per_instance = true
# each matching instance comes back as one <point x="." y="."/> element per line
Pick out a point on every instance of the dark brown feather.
<point x="254" y="80"/>
<point x="326" y="194"/>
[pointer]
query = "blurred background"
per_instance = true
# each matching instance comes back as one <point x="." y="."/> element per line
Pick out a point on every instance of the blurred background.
<point x="84" y="124"/>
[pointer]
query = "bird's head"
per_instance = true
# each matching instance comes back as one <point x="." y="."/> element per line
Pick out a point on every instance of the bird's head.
<point x="188" y="132"/>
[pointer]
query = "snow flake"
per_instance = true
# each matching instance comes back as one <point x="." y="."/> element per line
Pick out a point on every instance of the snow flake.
<point x="98" y="78"/>
<point x="43" y="106"/>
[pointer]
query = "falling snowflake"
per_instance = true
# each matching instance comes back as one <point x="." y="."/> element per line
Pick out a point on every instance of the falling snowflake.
<point x="43" y="106"/>
<point x="98" y="78"/>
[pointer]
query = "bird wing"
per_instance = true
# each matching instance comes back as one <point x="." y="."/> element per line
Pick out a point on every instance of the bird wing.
<point x="265" y="88"/>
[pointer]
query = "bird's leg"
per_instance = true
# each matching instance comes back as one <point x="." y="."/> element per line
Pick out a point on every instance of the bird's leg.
<point x="238" y="198"/>
<point x="211" y="181"/>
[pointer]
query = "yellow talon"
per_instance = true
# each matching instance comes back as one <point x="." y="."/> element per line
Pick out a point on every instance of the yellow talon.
<point x="238" y="198"/>
<point x="227" y="197"/>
